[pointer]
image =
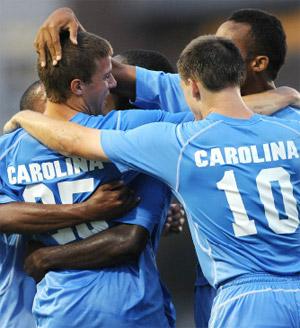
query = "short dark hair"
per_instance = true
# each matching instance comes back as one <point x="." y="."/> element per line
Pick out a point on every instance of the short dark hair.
<point x="33" y="93"/>
<point x="214" y="61"/>
<point x="78" y="61"/>
<point x="152" y="60"/>
<point x="268" y="35"/>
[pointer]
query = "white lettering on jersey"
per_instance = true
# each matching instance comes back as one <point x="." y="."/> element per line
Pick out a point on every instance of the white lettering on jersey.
<point x="273" y="151"/>
<point x="37" y="172"/>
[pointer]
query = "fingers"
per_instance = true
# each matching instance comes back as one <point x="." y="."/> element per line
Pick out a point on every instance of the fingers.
<point x="114" y="185"/>
<point x="48" y="42"/>
<point x="39" y="45"/>
<point x="10" y="126"/>
<point x="73" y="29"/>
<point x="175" y="219"/>
<point x="54" y="46"/>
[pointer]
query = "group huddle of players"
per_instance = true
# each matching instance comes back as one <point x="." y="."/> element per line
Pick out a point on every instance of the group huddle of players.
<point x="196" y="137"/>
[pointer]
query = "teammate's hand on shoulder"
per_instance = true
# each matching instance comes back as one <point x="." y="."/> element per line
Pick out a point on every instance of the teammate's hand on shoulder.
<point x="15" y="122"/>
<point x="48" y="34"/>
<point x="175" y="219"/>
<point x="110" y="200"/>
<point x="12" y="124"/>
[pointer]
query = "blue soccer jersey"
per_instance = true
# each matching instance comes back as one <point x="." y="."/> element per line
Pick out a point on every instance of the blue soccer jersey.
<point x="154" y="94"/>
<point x="288" y="113"/>
<point x="254" y="175"/>
<point x="17" y="290"/>
<point x="32" y="173"/>
<point x="159" y="90"/>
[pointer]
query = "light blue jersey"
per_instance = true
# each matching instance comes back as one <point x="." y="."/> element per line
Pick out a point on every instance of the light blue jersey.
<point x="233" y="162"/>
<point x="251" y="168"/>
<point x="165" y="92"/>
<point x="32" y="173"/>
<point x="159" y="90"/>
<point x="17" y="290"/>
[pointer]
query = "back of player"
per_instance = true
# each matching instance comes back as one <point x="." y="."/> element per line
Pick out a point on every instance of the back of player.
<point x="249" y="246"/>
<point x="246" y="227"/>
<point x="257" y="177"/>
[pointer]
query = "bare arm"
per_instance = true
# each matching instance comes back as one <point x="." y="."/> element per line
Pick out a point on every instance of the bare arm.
<point x="109" y="201"/>
<point x="271" y="101"/>
<point x="67" y="138"/>
<point x="112" y="247"/>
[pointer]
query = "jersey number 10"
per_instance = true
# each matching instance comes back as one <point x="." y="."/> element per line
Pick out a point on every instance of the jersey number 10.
<point x="242" y="225"/>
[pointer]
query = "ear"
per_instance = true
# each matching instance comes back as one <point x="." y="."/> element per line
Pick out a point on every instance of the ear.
<point x="195" y="89"/>
<point x="259" y="63"/>
<point x="77" y="87"/>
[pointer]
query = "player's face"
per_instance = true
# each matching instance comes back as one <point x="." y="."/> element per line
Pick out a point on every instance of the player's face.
<point x="98" y="89"/>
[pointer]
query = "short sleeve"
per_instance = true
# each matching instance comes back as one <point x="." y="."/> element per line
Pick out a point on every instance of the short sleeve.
<point x="155" y="200"/>
<point x="130" y="119"/>
<point x="159" y="90"/>
<point x="152" y="148"/>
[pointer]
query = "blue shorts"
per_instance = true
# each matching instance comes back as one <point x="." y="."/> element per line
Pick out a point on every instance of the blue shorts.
<point x="258" y="301"/>
<point x="204" y="297"/>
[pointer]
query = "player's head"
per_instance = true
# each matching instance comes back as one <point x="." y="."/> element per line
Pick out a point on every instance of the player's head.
<point x="212" y="62"/>
<point x="260" y="38"/>
<point x="83" y="75"/>
<point x="149" y="59"/>
<point x="152" y="60"/>
<point x="34" y="98"/>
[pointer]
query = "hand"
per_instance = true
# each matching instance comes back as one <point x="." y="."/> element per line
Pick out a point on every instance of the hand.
<point x="175" y="219"/>
<point x="48" y="34"/>
<point x="14" y="123"/>
<point x="35" y="265"/>
<point x="109" y="201"/>
<point x="11" y="125"/>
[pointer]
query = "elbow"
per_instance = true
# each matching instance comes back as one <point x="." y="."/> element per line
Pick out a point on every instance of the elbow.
<point x="292" y="94"/>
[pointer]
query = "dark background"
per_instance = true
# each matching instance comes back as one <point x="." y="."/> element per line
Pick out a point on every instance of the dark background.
<point x="166" y="26"/>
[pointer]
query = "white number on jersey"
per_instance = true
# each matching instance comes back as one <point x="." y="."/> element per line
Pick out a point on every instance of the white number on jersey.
<point x="66" y="191"/>
<point x="242" y="225"/>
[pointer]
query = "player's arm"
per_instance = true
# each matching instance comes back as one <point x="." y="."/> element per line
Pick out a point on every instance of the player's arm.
<point x="64" y="18"/>
<point x="71" y="139"/>
<point x="109" y="201"/>
<point x="271" y="101"/>
<point x="115" y="246"/>
<point x="118" y="245"/>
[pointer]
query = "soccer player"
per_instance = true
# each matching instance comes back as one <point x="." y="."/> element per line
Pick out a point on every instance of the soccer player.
<point x="18" y="219"/>
<point x="248" y="245"/>
<point x="37" y="175"/>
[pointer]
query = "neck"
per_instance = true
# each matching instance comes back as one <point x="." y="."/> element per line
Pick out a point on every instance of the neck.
<point x="256" y="84"/>
<point x="227" y="102"/>
<point x="62" y="111"/>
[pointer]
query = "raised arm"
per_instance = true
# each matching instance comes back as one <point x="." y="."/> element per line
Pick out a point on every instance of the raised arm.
<point x="64" y="19"/>
<point x="109" y="201"/>
<point x="119" y="245"/>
